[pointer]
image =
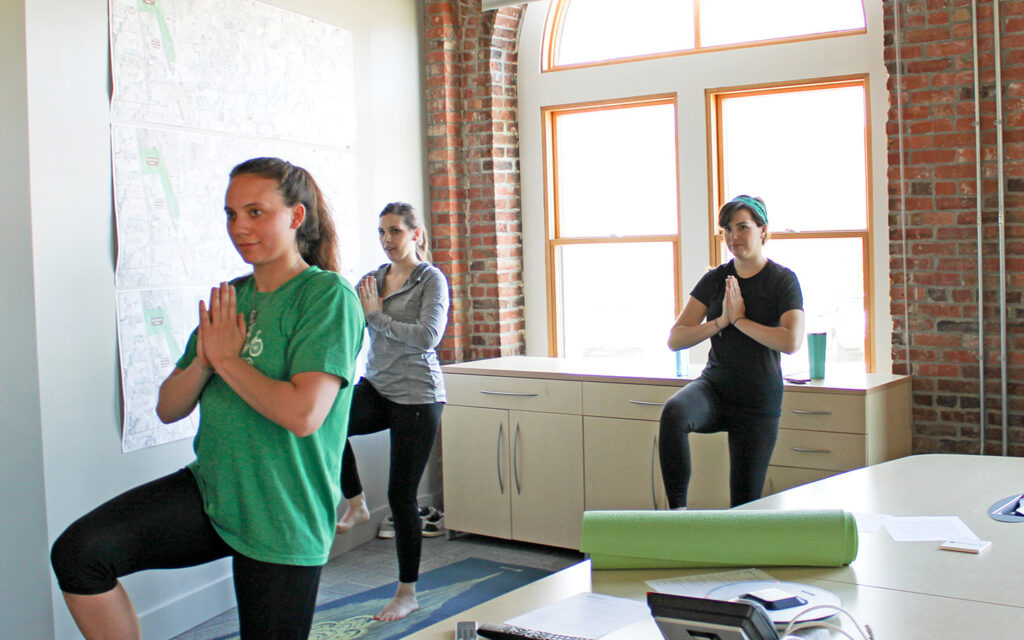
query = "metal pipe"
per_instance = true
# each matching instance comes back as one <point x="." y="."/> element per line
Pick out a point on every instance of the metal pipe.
<point x="903" y="186"/>
<point x="978" y="188"/>
<point x="1002" y="223"/>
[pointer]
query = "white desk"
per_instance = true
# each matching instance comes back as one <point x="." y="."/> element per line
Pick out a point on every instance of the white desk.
<point x="905" y="590"/>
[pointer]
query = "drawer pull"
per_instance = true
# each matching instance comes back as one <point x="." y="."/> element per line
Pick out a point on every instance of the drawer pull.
<point x="515" y="459"/>
<point x="647" y="403"/>
<point x="802" y="412"/>
<point x="497" y="459"/>
<point x="517" y="394"/>
<point x="802" y="450"/>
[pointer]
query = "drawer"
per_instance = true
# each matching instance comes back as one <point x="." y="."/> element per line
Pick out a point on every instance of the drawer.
<point x="528" y="394"/>
<point x="822" y="411"/>
<point x="819" y="450"/>
<point x="616" y="400"/>
<point x="782" y="478"/>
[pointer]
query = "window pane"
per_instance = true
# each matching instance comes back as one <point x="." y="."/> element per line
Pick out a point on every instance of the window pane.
<point x="616" y="172"/>
<point x="803" y="152"/>
<point x="831" y="274"/>
<point x="596" y="30"/>
<point x="607" y="310"/>
<point x="734" y="21"/>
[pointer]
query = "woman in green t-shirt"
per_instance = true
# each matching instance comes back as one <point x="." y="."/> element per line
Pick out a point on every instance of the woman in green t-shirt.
<point x="272" y="375"/>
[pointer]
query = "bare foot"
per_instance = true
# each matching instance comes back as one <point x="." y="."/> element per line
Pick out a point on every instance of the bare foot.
<point x="355" y="513"/>
<point x="401" y="605"/>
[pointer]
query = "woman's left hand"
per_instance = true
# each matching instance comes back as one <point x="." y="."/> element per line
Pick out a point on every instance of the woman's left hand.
<point x="368" y="296"/>
<point x="735" y="308"/>
<point x="223" y="327"/>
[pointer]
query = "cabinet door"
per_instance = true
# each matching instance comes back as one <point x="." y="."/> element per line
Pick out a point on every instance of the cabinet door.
<point x="547" y="478"/>
<point x="709" y="475"/>
<point x="620" y="464"/>
<point x="782" y="478"/>
<point x="475" y="462"/>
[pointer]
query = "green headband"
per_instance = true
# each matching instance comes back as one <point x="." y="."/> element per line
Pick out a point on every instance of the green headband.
<point x="756" y="206"/>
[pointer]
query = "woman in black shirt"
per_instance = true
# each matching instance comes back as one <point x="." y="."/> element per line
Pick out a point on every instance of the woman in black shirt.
<point x="752" y="309"/>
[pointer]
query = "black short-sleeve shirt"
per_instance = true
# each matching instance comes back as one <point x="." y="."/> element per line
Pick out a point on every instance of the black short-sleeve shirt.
<point x="744" y="372"/>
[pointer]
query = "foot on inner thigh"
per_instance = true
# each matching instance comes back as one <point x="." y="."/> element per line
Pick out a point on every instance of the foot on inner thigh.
<point x="401" y="605"/>
<point x="355" y="513"/>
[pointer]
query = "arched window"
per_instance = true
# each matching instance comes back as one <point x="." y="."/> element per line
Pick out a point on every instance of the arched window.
<point x="587" y="32"/>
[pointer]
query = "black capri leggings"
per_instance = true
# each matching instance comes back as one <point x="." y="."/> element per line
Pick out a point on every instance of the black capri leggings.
<point x="162" y="525"/>
<point x="696" y="408"/>
<point x="413" y="428"/>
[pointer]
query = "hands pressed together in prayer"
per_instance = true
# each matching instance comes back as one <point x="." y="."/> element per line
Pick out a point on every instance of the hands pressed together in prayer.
<point x="221" y="328"/>
<point x="368" y="296"/>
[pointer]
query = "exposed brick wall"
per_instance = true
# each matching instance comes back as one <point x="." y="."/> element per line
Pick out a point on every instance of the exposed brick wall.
<point x="473" y="169"/>
<point x="936" y="282"/>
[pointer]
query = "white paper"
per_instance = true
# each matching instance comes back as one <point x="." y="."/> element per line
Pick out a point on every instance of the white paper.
<point x="928" y="528"/>
<point x="589" y="615"/>
<point x="870" y="522"/>
<point x="700" y="585"/>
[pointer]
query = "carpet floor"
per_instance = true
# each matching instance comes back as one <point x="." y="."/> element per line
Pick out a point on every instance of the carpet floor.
<point x="373" y="566"/>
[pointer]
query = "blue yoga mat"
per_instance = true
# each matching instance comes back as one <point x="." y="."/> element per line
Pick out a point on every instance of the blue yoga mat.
<point x="441" y="593"/>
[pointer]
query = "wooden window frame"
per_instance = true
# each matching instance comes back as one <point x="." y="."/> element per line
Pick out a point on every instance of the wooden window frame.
<point x="716" y="187"/>
<point x="556" y="19"/>
<point x="552" y="222"/>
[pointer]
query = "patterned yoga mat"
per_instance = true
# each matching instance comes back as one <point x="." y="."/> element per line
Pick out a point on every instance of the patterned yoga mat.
<point x="441" y="593"/>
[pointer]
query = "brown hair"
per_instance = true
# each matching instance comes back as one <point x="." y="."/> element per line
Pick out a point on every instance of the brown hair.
<point x="316" y="237"/>
<point x="411" y="218"/>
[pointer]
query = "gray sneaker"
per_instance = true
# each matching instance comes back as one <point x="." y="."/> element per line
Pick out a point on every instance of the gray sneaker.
<point x="429" y="518"/>
<point x="433" y="524"/>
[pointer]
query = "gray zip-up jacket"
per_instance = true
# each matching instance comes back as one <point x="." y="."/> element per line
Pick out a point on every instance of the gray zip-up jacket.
<point x="402" y="363"/>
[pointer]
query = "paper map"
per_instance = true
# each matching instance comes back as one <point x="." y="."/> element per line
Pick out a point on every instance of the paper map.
<point x="199" y="86"/>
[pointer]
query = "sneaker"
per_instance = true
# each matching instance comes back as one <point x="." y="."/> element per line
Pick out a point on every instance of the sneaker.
<point x="433" y="524"/>
<point x="427" y="514"/>
<point x="387" y="527"/>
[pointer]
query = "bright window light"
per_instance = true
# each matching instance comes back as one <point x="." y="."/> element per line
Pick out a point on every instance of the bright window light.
<point x="616" y="172"/>
<point x="803" y="152"/>
<point x="632" y="322"/>
<point x="596" y="30"/>
<point x="725" y="22"/>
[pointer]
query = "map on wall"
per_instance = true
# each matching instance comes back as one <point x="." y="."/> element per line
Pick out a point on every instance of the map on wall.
<point x="199" y="86"/>
<point x="232" y="66"/>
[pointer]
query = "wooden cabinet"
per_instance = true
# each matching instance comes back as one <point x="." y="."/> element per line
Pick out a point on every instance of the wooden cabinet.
<point x="827" y="431"/>
<point x="512" y="473"/>
<point x="529" y="443"/>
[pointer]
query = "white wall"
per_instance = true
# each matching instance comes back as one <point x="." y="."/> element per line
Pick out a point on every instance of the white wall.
<point x="25" y="610"/>
<point x="62" y="426"/>
<point x="688" y="76"/>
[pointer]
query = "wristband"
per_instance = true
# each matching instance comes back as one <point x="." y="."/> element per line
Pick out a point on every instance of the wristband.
<point x="204" y="369"/>
<point x="738" y="319"/>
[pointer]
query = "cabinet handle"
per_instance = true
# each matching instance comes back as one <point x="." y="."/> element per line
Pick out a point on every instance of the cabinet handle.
<point x="802" y="412"/>
<point x="515" y="459"/>
<point x="517" y="394"/>
<point x="654" y="495"/>
<point x="647" y="403"/>
<point x="497" y="459"/>
<point x="802" y="450"/>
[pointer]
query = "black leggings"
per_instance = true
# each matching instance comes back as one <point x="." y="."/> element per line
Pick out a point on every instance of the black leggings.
<point x="413" y="428"/>
<point x="696" y="408"/>
<point x="162" y="525"/>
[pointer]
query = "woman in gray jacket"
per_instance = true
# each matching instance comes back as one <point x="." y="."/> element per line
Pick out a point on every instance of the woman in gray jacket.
<point x="406" y="307"/>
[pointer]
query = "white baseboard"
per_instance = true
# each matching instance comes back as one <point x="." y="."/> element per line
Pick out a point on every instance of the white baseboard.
<point x="189" y="610"/>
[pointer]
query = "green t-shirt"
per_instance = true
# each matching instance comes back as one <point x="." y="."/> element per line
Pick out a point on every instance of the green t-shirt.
<point x="271" y="495"/>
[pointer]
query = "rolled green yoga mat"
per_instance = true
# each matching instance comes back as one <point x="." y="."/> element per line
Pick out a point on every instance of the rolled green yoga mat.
<point x="733" y="538"/>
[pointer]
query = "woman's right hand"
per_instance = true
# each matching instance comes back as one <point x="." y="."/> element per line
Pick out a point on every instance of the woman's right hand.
<point x="201" y="359"/>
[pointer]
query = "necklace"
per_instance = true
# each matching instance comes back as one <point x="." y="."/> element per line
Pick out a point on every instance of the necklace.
<point x="258" y="299"/>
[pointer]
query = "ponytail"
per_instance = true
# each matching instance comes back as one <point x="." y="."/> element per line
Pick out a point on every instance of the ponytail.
<point x="316" y="237"/>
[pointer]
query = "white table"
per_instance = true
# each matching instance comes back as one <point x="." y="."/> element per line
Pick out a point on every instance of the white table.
<point x="905" y="590"/>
